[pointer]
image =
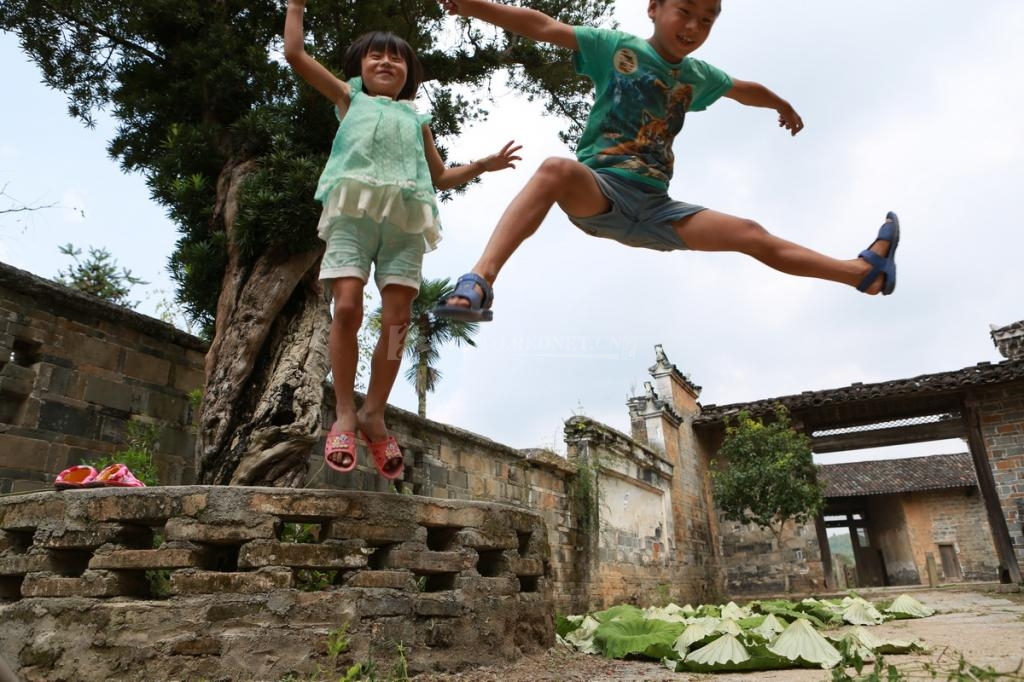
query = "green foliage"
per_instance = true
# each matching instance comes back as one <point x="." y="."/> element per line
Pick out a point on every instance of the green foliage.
<point x="201" y="96"/>
<point x="98" y="275"/>
<point x="142" y="440"/>
<point x="949" y="666"/>
<point x="308" y="579"/>
<point x="767" y="474"/>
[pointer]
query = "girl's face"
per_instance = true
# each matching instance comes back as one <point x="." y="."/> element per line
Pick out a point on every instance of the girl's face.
<point x="384" y="73"/>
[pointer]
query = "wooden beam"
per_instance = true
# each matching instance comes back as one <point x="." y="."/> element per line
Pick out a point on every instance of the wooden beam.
<point x="901" y="435"/>
<point x="1009" y="569"/>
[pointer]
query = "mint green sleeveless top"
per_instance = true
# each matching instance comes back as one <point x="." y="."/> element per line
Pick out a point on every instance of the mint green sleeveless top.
<point x="377" y="167"/>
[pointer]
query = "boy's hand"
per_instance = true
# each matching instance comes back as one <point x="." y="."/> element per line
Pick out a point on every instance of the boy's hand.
<point x="790" y="120"/>
<point x="502" y="159"/>
<point x="455" y="6"/>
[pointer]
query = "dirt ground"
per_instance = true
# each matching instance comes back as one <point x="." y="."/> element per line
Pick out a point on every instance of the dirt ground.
<point x="984" y="625"/>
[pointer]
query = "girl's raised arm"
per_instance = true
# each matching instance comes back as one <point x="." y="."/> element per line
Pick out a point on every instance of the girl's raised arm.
<point x="311" y="71"/>
<point x="450" y="177"/>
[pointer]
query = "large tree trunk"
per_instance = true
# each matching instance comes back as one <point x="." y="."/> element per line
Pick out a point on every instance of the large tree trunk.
<point x="261" y="411"/>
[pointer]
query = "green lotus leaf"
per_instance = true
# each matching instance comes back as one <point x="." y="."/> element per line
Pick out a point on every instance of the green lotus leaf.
<point x="860" y="612"/>
<point x="905" y="606"/>
<point x="651" y="638"/>
<point x="583" y="637"/>
<point x="800" y="642"/>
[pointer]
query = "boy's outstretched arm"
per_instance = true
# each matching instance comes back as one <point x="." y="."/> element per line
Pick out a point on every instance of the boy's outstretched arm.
<point x="756" y="95"/>
<point x="522" y="20"/>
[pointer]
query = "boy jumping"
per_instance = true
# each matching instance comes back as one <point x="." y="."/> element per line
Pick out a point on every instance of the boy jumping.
<point x="618" y="188"/>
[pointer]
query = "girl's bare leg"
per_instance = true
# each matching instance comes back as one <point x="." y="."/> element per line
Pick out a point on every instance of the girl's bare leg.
<point x="396" y="310"/>
<point x="714" y="231"/>
<point x="343" y="347"/>
<point x="566" y="182"/>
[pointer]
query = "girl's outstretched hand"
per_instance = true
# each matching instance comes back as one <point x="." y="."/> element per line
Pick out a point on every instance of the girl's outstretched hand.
<point x="502" y="159"/>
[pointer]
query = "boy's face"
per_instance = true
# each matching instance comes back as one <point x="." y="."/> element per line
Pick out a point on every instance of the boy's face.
<point x="681" y="26"/>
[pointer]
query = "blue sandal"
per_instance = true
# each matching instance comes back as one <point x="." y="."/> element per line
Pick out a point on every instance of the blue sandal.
<point x="883" y="265"/>
<point x="479" y="309"/>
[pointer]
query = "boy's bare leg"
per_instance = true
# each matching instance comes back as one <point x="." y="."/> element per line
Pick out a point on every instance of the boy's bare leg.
<point x="565" y="182"/>
<point x="396" y="310"/>
<point x="714" y="231"/>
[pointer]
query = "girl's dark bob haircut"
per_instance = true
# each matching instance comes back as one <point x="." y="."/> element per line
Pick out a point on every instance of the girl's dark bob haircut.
<point x="385" y="41"/>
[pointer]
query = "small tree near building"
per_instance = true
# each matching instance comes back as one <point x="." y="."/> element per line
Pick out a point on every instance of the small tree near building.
<point x="765" y="475"/>
<point x="99" y="275"/>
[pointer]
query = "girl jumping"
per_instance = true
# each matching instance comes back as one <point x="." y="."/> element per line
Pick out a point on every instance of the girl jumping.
<point x="377" y="191"/>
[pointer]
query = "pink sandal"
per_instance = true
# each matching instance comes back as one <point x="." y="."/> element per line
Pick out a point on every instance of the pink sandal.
<point x="78" y="476"/>
<point x="340" y="443"/>
<point x="387" y="457"/>
<point x="116" y="476"/>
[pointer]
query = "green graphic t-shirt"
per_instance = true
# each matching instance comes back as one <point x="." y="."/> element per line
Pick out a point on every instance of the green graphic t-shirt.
<point x="640" y="103"/>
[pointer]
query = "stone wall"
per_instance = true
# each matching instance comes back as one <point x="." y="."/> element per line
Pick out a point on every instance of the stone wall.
<point x="623" y="496"/>
<point x="206" y="582"/>
<point x="81" y="369"/>
<point x="1002" y="427"/>
<point x="76" y="370"/>
<point x="450" y="463"/>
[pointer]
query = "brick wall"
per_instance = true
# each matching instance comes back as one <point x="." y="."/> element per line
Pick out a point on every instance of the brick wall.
<point x="75" y="370"/>
<point x="956" y="518"/>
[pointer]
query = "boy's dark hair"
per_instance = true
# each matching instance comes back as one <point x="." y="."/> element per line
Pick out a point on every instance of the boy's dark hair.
<point x="662" y="2"/>
<point x="385" y="41"/>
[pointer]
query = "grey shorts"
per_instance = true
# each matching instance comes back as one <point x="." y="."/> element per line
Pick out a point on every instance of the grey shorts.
<point x="641" y="215"/>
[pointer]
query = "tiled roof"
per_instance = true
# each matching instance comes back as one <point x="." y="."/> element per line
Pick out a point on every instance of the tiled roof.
<point x="944" y="382"/>
<point x="880" y="477"/>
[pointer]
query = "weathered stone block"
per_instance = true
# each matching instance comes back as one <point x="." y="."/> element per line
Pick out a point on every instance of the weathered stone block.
<point x="108" y="394"/>
<point x="481" y="586"/>
<point x="305" y="506"/>
<point x="337" y="554"/>
<point x="395" y="580"/>
<point x="448" y="514"/>
<point x="147" y="559"/>
<point x="20" y="564"/>
<point x="440" y="604"/>
<point x="191" y="581"/>
<point x="526" y="566"/>
<point x="474" y="538"/>
<point x="382" y="602"/>
<point x="373" y="533"/>
<point x="195" y="646"/>
<point x="426" y="561"/>
<point x="16" y="380"/>
<point x="149" y="506"/>
<point x="69" y="420"/>
<point x="32" y="511"/>
<point x="60" y="537"/>
<point x="89" y="584"/>
<point x="223" y="532"/>
<point x="146" y="368"/>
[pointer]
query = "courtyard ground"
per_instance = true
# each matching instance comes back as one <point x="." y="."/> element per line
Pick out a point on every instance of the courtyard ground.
<point x="983" y="624"/>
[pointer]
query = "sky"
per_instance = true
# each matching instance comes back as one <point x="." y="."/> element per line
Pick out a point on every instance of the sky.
<point x="909" y="106"/>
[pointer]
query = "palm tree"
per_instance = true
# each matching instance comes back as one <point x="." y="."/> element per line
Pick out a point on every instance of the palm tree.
<point x="427" y="334"/>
